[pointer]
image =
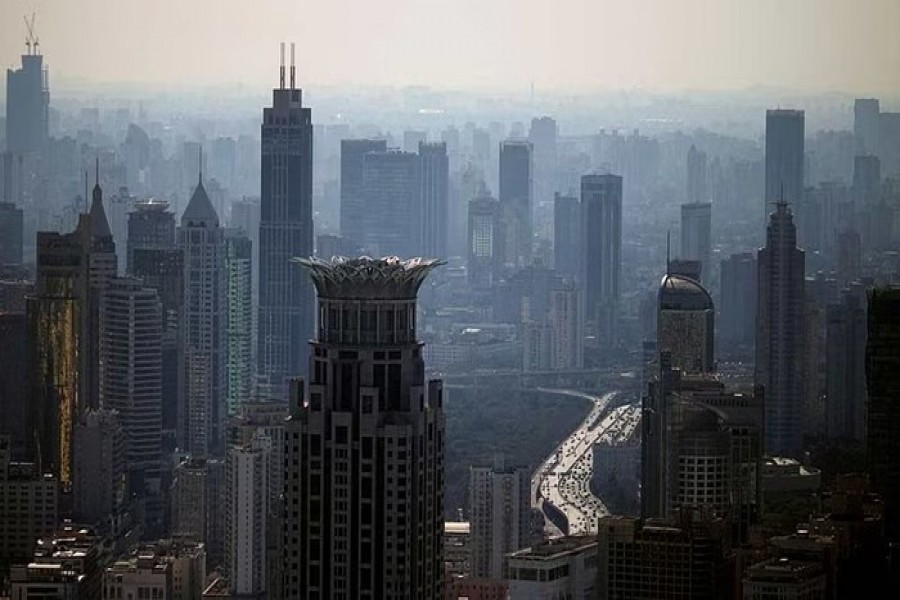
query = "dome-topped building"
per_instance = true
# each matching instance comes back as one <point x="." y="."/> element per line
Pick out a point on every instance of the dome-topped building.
<point x="686" y="323"/>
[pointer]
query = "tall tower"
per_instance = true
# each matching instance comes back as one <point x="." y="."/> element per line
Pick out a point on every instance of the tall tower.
<point x="239" y="339"/>
<point x="601" y="250"/>
<point x="686" y="324"/>
<point x="779" y="332"/>
<point x="285" y="230"/>
<point x="516" y="191"/>
<point x="150" y="226"/>
<point x="364" y="445"/>
<point x="353" y="198"/>
<point x="27" y="100"/>
<point x="204" y="318"/>
<point x="784" y="155"/>
<point x="696" y="235"/>
<point x="11" y="227"/>
<point x="131" y="375"/>
<point x="392" y="188"/>
<point x="696" y="176"/>
<point x="484" y="243"/>
<point x="433" y="212"/>
<point x="566" y="236"/>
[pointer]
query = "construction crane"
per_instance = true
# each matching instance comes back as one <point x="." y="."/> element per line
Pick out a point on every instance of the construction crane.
<point x="31" y="39"/>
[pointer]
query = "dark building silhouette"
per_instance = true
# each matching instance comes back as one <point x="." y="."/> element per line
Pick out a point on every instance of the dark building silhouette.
<point x="845" y="378"/>
<point x="27" y="104"/>
<point x="543" y="136"/>
<point x="11" y="223"/>
<point x="784" y="155"/>
<point x="14" y="384"/>
<point x="516" y="190"/>
<point x="601" y="251"/>
<point x="353" y="199"/>
<point x="364" y="444"/>
<point x="737" y="306"/>
<point x="697" y="176"/>
<point x="883" y="383"/>
<point x="392" y="188"/>
<point x="485" y="243"/>
<point x="432" y="213"/>
<point x="780" y="332"/>
<point x="150" y="226"/>
<point x="696" y="236"/>
<point x="286" y="229"/>
<point x="566" y="236"/>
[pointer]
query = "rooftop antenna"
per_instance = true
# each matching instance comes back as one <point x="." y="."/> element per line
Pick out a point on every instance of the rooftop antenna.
<point x="668" y="250"/>
<point x="200" y="166"/>
<point x="31" y="39"/>
<point x="282" y="66"/>
<point x="293" y="68"/>
<point x="97" y="170"/>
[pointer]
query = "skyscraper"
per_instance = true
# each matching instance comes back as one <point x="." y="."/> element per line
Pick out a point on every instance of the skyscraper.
<point x="516" y="191"/>
<point x="845" y="377"/>
<point x="696" y="176"/>
<point x="485" y="244"/>
<point x="543" y="137"/>
<point x="11" y="223"/>
<point x="784" y="156"/>
<point x="286" y="229"/>
<point x="737" y="305"/>
<point x="239" y="336"/>
<point x="883" y="381"/>
<point x="686" y="324"/>
<point x="100" y="465"/>
<point x="353" y="198"/>
<point x="780" y="319"/>
<point x="567" y="319"/>
<point x="150" y="226"/>
<point x="204" y="318"/>
<point x="866" y="113"/>
<point x="601" y="250"/>
<point x="499" y="516"/>
<point x="27" y="104"/>
<point x="131" y="376"/>
<point x="433" y="210"/>
<point x="566" y="236"/>
<point x="367" y="442"/>
<point x="392" y="188"/>
<point x="696" y="236"/>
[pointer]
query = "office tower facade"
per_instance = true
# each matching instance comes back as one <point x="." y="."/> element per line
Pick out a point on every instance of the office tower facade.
<point x="204" y="318"/>
<point x="737" y="305"/>
<point x="558" y="568"/>
<point x="601" y="250"/>
<point x="150" y="226"/>
<point x="499" y="516"/>
<point x="392" y="187"/>
<point x="56" y="315"/>
<point x="485" y="245"/>
<point x="652" y="559"/>
<point x="781" y="306"/>
<point x="696" y="177"/>
<point x="845" y="360"/>
<point x="686" y="324"/>
<point x="101" y="465"/>
<point x="866" y="113"/>
<point x="14" y="385"/>
<point x="566" y="236"/>
<point x="286" y="229"/>
<point x="239" y="335"/>
<point x="433" y="212"/>
<point x="784" y="156"/>
<point x="27" y="104"/>
<point x="543" y="136"/>
<point x="11" y="224"/>
<point x="131" y="375"/>
<point x="247" y="484"/>
<point x="696" y="235"/>
<point x="866" y="180"/>
<point x="516" y="191"/>
<point x="245" y="217"/>
<point x="368" y="437"/>
<point x="353" y="195"/>
<point x="883" y="385"/>
<point x="567" y="319"/>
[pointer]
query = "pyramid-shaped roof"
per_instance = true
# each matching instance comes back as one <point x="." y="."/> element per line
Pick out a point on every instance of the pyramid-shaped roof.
<point x="200" y="209"/>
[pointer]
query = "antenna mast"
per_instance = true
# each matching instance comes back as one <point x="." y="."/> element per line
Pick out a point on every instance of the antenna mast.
<point x="31" y="39"/>
<point x="292" y="66"/>
<point x="282" y="66"/>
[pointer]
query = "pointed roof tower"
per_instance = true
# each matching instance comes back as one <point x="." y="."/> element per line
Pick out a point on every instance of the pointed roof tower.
<point x="99" y="222"/>
<point x="200" y="211"/>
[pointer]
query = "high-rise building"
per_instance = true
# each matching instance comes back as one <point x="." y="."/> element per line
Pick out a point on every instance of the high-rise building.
<point x="245" y="217"/>
<point x="696" y="177"/>
<point x="433" y="210"/>
<point x="142" y="574"/>
<point x="11" y="224"/>
<point x="516" y="191"/>
<point x="696" y="237"/>
<point x="247" y="484"/>
<point x="686" y="324"/>
<point x="367" y="438"/>
<point x="543" y="136"/>
<point x="286" y="229"/>
<point x="15" y="352"/>
<point x="866" y="179"/>
<point x="566" y="236"/>
<point x="866" y="113"/>
<point x="845" y="363"/>
<point x="485" y="244"/>
<point x="120" y="206"/>
<point x="197" y="500"/>
<point x="601" y="250"/>
<point x="27" y="104"/>
<point x="499" y="516"/>
<point x="353" y="196"/>
<point x="131" y="376"/>
<point x="203" y="322"/>
<point x="150" y="226"/>
<point x="101" y="462"/>
<point x="239" y="335"/>
<point x="784" y="156"/>
<point x="567" y="319"/>
<point x="883" y="385"/>
<point x="662" y="559"/>
<point x="558" y="568"/>
<point x="781" y="307"/>
<point x="737" y="305"/>
<point x="392" y="188"/>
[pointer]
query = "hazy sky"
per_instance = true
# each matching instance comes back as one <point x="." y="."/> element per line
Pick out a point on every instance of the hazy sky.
<point x="808" y="45"/>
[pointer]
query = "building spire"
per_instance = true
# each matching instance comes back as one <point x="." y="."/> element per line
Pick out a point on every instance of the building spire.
<point x="281" y="71"/>
<point x="293" y="68"/>
<point x="200" y="166"/>
<point x="668" y="250"/>
<point x="98" y="193"/>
